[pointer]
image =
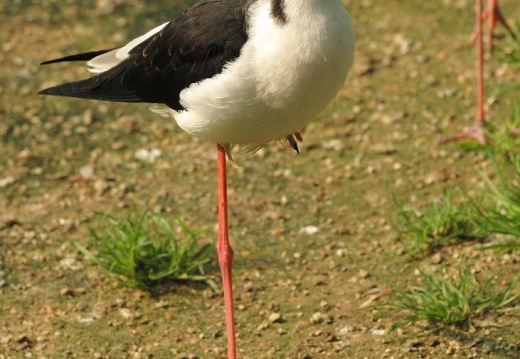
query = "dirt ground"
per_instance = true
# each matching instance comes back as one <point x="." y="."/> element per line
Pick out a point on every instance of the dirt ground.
<point x="61" y="160"/>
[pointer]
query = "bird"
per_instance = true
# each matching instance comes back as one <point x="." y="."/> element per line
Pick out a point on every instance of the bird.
<point x="493" y="15"/>
<point x="235" y="73"/>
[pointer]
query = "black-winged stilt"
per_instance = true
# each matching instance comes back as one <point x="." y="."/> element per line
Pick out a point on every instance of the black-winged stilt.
<point x="239" y="73"/>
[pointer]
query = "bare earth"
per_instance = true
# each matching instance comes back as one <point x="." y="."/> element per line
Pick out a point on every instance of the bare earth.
<point x="300" y="293"/>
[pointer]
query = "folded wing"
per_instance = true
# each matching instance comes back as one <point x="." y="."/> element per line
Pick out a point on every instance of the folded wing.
<point x="157" y="66"/>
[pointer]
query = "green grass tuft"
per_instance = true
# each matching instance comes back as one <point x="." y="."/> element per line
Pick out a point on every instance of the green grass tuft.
<point x="144" y="250"/>
<point x="502" y="215"/>
<point x="513" y="46"/>
<point x="437" y="224"/>
<point x="444" y="302"/>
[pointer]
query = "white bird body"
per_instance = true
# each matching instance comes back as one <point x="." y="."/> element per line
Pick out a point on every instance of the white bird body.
<point x="286" y="74"/>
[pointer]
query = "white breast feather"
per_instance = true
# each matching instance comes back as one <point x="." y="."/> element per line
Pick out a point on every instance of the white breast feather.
<point x="285" y="76"/>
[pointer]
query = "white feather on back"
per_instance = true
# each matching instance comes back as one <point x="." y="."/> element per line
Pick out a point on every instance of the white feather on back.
<point x="112" y="58"/>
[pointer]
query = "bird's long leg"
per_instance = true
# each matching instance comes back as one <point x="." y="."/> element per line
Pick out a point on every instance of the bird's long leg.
<point x="480" y="69"/>
<point x="493" y="15"/>
<point x="225" y="252"/>
<point x="477" y="131"/>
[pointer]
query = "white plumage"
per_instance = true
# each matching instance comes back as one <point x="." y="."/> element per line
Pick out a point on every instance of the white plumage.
<point x="285" y="76"/>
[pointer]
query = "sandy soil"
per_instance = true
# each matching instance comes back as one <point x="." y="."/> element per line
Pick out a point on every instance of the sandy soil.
<point x="62" y="160"/>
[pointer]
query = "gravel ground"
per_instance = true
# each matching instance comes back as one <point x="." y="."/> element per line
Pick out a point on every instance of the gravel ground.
<point x="316" y="248"/>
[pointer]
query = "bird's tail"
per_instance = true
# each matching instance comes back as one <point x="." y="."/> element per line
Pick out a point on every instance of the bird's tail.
<point x="107" y="86"/>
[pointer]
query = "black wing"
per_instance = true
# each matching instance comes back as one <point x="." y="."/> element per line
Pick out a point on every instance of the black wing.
<point x="78" y="57"/>
<point x="194" y="46"/>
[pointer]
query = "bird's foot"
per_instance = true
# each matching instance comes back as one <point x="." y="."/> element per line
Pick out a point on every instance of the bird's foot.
<point x="292" y="141"/>
<point x="229" y="155"/>
<point x="475" y="133"/>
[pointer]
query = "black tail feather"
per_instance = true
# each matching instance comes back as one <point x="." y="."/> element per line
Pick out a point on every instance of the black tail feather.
<point x="80" y="89"/>
<point x="78" y="57"/>
<point x="106" y="86"/>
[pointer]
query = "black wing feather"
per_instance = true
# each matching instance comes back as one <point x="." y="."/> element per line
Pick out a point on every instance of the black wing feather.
<point x="77" y="57"/>
<point x="194" y="46"/>
<point x="106" y="87"/>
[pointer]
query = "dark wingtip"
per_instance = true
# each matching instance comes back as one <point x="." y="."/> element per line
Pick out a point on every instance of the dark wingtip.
<point x="50" y="62"/>
<point x="55" y="91"/>
<point x="86" y="56"/>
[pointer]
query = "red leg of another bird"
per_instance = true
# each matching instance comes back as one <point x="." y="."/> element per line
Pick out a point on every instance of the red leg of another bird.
<point x="494" y="16"/>
<point x="476" y="132"/>
<point x="480" y="69"/>
<point x="225" y="252"/>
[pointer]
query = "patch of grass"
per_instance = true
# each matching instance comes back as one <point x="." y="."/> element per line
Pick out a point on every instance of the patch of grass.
<point x="144" y="250"/>
<point x="504" y="138"/>
<point x="503" y="214"/>
<point x="444" y="302"/>
<point x="503" y="135"/>
<point x="440" y="223"/>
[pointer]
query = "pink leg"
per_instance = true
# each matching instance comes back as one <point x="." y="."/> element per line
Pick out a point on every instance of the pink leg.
<point x="480" y="67"/>
<point x="477" y="132"/>
<point x="225" y="252"/>
<point x="493" y="15"/>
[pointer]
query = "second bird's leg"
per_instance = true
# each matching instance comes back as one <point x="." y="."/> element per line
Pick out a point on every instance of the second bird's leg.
<point x="493" y="15"/>
<point x="477" y="131"/>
